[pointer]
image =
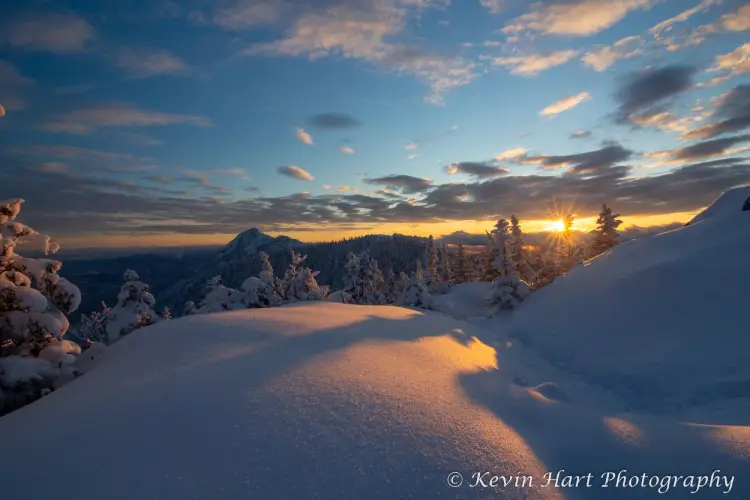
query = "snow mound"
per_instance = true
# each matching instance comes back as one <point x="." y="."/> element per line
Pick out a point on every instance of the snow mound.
<point x="466" y="301"/>
<point x="731" y="201"/>
<point x="324" y="400"/>
<point x="661" y="320"/>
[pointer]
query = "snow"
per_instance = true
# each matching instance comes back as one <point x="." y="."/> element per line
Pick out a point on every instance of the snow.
<point x="660" y="321"/>
<point x="729" y="202"/>
<point x="324" y="400"/>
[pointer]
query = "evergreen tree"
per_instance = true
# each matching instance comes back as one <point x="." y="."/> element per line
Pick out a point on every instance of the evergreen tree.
<point x="299" y="283"/>
<point x="486" y="271"/>
<point x="34" y="304"/>
<point x="94" y="326"/>
<point x="463" y="265"/>
<point x="189" y="308"/>
<point x="605" y="236"/>
<point x="446" y="273"/>
<point x="520" y="266"/>
<point x="500" y="242"/>
<point x="364" y="282"/>
<point x="415" y="292"/>
<point x="166" y="314"/>
<point x="431" y="272"/>
<point x="133" y="310"/>
<point x="507" y="293"/>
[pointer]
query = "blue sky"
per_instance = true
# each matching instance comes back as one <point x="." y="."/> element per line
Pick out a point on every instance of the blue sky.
<point x="186" y="122"/>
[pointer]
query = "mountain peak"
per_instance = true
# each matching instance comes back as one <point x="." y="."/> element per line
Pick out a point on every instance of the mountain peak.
<point x="252" y="241"/>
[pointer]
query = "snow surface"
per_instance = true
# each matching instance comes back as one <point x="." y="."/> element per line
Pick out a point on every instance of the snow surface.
<point x="324" y="400"/>
<point x="731" y="201"/>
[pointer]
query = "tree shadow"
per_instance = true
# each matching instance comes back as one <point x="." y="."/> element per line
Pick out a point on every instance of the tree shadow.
<point x="582" y="441"/>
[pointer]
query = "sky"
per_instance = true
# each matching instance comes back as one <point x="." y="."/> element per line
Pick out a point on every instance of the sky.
<point x="151" y="122"/>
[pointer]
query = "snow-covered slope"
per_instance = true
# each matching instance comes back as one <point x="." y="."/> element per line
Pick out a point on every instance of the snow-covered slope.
<point x="662" y="320"/>
<point x="323" y="400"/>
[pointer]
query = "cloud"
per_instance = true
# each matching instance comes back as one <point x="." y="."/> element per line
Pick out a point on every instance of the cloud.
<point x="659" y="36"/>
<point x="334" y="121"/>
<point x="10" y="76"/>
<point x="403" y="183"/>
<point x="534" y="64"/>
<point x="646" y="92"/>
<point x="245" y="14"/>
<point x="358" y="30"/>
<point x="145" y="63"/>
<point x="570" y="102"/>
<point x="494" y="6"/>
<point x="737" y="21"/>
<point x="119" y="209"/>
<point x="295" y="173"/>
<point x="304" y="137"/>
<point x="476" y="169"/>
<point x="602" y="58"/>
<point x="85" y="120"/>
<point x="52" y="32"/>
<point x="349" y="189"/>
<point x="78" y="154"/>
<point x="597" y="162"/>
<point x="510" y="154"/>
<point x="573" y="17"/>
<point x="733" y="64"/>
<point x="732" y="111"/>
<point x="706" y="149"/>
<point x="347" y="150"/>
<point x="580" y="134"/>
<point x="411" y="146"/>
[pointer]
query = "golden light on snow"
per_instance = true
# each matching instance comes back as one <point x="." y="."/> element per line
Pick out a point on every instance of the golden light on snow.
<point x="625" y="431"/>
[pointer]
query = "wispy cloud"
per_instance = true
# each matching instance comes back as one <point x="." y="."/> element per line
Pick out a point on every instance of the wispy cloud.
<point x="295" y="172"/>
<point x="573" y="17"/>
<point x="662" y="35"/>
<point x="645" y="93"/>
<point x="145" y="63"/>
<point x="732" y="114"/>
<point x="482" y="170"/>
<point x="732" y="64"/>
<point x="85" y="120"/>
<point x="342" y="189"/>
<point x="356" y="30"/>
<point x="510" y="154"/>
<point x="533" y="64"/>
<point x="565" y="104"/>
<point x="404" y="183"/>
<point x="303" y="137"/>
<point x="334" y="121"/>
<point x="411" y="146"/>
<point x="494" y="6"/>
<point x="52" y="32"/>
<point x="347" y="150"/>
<point x="580" y="134"/>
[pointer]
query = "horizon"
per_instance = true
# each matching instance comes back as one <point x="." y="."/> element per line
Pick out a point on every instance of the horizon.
<point x="162" y="125"/>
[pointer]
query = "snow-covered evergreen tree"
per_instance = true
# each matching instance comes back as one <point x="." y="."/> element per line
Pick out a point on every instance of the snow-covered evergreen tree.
<point x="166" y="314"/>
<point x="299" y="283"/>
<point x="134" y="308"/>
<point x="265" y="290"/>
<point x="463" y="271"/>
<point x="431" y="272"/>
<point x="34" y="304"/>
<point x="93" y="327"/>
<point x="446" y="270"/>
<point x="500" y="242"/>
<point x="486" y="269"/>
<point x="220" y="298"/>
<point x="364" y="282"/>
<point x="189" y="308"/>
<point x="507" y="293"/>
<point x="605" y="236"/>
<point x="520" y="266"/>
<point x="416" y="293"/>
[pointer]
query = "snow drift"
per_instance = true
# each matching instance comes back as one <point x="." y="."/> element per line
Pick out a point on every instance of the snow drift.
<point x="323" y="400"/>
<point x="661" y="320"/>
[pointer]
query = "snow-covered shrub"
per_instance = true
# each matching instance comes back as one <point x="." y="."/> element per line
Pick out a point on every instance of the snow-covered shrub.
<point x="93" y="327"/>
<point x="220" y="298"/>
<point x="134" y="308"/>
<point x="507" y="293"/>
<point x="416" y="293"/>
<point x="34" y="304"/>
<point x="189" y="308"/>
<point x="341" y="297"/>
<point x="166" y="314"/>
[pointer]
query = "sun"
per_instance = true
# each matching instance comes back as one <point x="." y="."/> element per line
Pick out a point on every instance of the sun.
<point x="558" y="226"/>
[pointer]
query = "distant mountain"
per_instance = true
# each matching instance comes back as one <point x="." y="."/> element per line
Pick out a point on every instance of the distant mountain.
<point x="253" y="241"/>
